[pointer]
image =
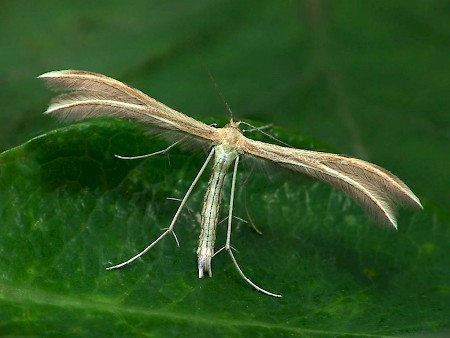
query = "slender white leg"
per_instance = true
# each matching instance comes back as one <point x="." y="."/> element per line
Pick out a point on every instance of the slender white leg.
<point x="253" y="128"/>
<point x="170" y="228"/>
<point x="228" y="242"/>
<point x="250" y="220"/>
<point x="249" y="217"/>
<point x="260" y="129"/>
<point x="148" y="155"/>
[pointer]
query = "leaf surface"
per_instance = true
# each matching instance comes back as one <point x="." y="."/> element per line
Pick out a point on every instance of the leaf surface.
<point x="70" y="209"/>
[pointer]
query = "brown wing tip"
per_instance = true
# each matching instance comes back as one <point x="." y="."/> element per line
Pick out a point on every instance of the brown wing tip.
<point x="66" y="72"/>
<point x="417" y="201"/>
<point x="54" y="73"/>
<point x="411" y="200"/>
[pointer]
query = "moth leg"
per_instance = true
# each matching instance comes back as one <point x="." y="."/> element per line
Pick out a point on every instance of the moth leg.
<point x="149" y="155"/>
<point x="172" y="224"/>
<point x="253" y="128"/>
<point x="228" y="242"/>
<point x="249" y="217"/>
<point x="260" y="129"/>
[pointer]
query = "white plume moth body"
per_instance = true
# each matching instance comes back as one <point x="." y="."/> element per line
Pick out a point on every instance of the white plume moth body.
<point x="90" y="95"/>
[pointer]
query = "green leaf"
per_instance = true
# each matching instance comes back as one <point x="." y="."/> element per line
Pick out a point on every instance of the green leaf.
<point x="368" y="77"/>
<point x="70" y="209"/>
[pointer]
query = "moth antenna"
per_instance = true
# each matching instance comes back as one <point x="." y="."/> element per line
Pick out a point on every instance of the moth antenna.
<point x="216" y="86"/>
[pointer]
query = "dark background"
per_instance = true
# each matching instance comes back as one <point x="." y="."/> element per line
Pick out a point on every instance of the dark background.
<point x="370" y="79"/>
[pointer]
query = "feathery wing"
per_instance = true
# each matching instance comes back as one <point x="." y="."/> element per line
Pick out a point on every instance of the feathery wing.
<point x="374" y="188"/>
<point x="91" y="95"/>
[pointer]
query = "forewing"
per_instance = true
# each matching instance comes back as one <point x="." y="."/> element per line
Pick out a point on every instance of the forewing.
<point x="374" y="188"/>
<point x="91" y="95"/>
